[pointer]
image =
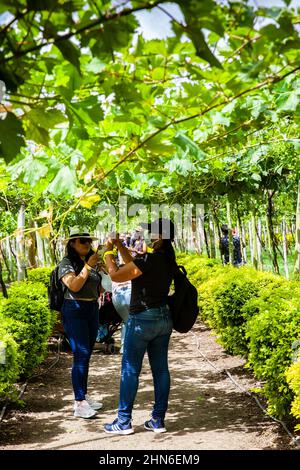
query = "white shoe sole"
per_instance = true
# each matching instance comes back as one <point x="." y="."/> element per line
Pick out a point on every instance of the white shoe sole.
<point x="158" y="431"/>
<point x="84" y="417"/>
<point x="97" y="408"/>
<point x="125" y="432"/>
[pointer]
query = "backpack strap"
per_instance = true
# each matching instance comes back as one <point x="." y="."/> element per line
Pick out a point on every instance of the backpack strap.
<point x="182" y="269"/>
<point x="179" y="269"/>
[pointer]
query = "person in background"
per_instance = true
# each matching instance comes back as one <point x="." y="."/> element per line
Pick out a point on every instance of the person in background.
<point x="149" y="326"/>
<point x="136" y="247"/>
<point x="135" y="236"/>
<point x="121" y="294"/>
<point x="146" y="248"/>
<point x="80" y="313"/>
<point x="224" y="247"/>
<point x="127" y="240"/>
<point x="139" y="247"/>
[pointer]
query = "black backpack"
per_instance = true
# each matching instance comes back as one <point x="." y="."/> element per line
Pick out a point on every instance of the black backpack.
<point x="183" y="303"/>
<point x="56" y="291"/>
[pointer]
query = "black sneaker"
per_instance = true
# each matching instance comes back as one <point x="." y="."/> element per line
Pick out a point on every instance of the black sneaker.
<point x="156" y="425"/>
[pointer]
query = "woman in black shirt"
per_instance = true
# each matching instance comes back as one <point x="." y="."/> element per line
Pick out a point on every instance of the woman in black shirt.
<point x="149" y="326"/>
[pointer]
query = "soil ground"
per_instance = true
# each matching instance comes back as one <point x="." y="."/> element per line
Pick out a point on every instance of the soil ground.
<point x="206" y="410"/>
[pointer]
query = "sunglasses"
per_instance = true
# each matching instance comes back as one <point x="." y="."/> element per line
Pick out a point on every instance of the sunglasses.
<point x="83" y="241"/>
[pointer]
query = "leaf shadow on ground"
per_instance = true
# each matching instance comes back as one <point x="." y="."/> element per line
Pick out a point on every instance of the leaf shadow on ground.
<point x="201" y="402"/>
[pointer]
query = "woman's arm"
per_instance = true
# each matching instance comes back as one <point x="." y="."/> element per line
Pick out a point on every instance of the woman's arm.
<point x="124" y="252"/>
<point x="128" y="272"/>
<point x="75" y="283"/>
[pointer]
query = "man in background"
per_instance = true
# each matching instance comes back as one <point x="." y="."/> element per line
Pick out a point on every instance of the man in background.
<point x="224" y="247"/>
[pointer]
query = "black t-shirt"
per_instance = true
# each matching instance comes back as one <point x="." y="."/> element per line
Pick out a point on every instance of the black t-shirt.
<point x="151" y="288"/>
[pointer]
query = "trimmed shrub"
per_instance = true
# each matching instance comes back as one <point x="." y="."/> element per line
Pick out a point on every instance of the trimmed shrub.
<point x="10" y="371"/>
<point x="222" y="299"/>
<point x="206" y="290"/>
<point x="199" y="268"/>
<point x="231" y="297"/>
<point x="40" y="275"/>
<point x="235" y="288"/>
<point x="271" y="333"/>
<point x="43" y="275"/>
<point x="30" y="321"/>
<point x="293" y="379"/>
<point x="255" y="314"/>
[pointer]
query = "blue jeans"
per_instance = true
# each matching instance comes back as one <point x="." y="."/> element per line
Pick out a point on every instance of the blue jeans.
<point x="81" y="321"/>
<point x="121" y="302"/>
<point x="148" y="330"/>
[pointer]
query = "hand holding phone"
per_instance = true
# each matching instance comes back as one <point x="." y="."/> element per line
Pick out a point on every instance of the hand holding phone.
<point x="100" y="250"/>
<point x="93" y="260"/>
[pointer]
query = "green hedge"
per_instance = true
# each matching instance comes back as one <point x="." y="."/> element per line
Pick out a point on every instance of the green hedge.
<point x="254" y="314"/>
<point x="293" y="379"/>
<point x="40" y="275"/>
<point x="10" y="371"/>
<point x="271" y="333"/>
<point x="26" y="324"/>
<point x="236" y="288"/>
<point x="200" y="268"/>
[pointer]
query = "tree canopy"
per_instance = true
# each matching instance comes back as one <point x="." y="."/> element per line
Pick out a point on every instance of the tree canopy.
<point x="92" y="109"/>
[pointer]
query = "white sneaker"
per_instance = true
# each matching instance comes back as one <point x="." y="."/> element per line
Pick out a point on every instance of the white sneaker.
<point x="83" y="410"/>
<point x="95" y="405"/>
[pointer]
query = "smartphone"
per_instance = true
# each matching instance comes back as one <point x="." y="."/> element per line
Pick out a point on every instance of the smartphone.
<point x="100" y="250"/>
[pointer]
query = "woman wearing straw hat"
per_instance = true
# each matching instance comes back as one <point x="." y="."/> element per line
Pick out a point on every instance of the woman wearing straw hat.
<point x="80" y="312"/>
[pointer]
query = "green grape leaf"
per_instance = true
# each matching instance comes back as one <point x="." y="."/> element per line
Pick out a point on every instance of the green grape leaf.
<point x="64" y="183"/>
<point x="11" y="137"/>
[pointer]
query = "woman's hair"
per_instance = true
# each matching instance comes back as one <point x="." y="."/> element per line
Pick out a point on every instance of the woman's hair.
<point x="168" y="249"/>
<point x="77" y="262"/>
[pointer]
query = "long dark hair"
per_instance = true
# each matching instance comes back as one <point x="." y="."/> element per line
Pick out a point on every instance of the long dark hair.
<point x="168" y="250"/>
<point x="74" y="257"/>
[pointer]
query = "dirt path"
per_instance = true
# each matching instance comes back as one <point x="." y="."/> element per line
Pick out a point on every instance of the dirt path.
<point x="206" y="411"/>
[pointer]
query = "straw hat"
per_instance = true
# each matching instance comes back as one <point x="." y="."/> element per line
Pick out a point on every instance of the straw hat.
<point x="79" y="232"/>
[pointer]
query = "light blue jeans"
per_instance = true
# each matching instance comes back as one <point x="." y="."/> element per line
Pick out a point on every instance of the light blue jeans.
<point x="121" y="301"/>
<point x="149" y="331"/>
